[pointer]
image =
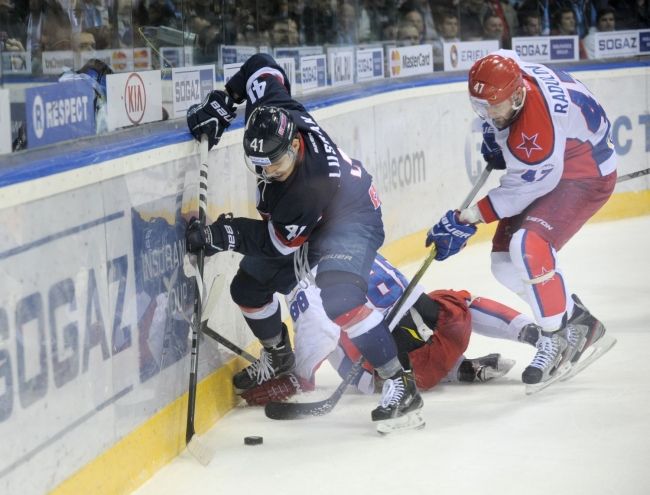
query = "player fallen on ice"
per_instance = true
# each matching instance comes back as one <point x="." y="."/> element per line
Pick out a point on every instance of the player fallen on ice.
<point x="554" y="140"/>
<point x="318" y="208"/>
<point x="431" y="334"/>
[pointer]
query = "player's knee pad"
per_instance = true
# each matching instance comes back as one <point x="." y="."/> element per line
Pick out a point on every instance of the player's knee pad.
<point x="533" y="257"/>
<point x="344" y="301"/>
<point x="340" y="299"/>
<point x="248" y="292"/>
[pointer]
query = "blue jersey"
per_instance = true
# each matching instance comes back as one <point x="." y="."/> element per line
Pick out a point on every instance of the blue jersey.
<point x="326" y="187"/>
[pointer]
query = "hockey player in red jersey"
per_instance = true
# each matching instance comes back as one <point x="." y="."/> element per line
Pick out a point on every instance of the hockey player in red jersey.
<point x="553" y="139"/>
<point x="308" y="191"/>
<point x="432" y="333"/>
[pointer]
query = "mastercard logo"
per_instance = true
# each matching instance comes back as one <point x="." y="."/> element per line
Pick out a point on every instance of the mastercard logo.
<point x="119" y="61"/>
<point x="395" y="63"/>
<point x="141" y="58"/>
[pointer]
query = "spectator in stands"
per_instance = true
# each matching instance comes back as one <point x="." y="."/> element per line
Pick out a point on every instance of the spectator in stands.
<point x="124" y="23"/>
<point x="471" y="14"/>
<point x="209" y="39"/>
<point x="284" y="32"/>
<point x="605" y="21"/>
<point x="447" y="33"/>
<point x="408" y="34"/>
<point x="631" y="14"/>
<point x="90" y="14"/>
<point x="584" y="13"/>
<point x="367" y="28"/>
<point x="93" y="73"/>
<point x="410" y="14"/>
<point x="85" y="42"/>
<point x="449" y="27"/>
<point x="389" y="31"/>
<point x="318" y="22"/>
<point x="564" y="22"/>
<point x="11" y="28"/>
<point x="48" y="28"/>
<point x="424" y="7"/>
<point x="346" y="20"/>
<point x="530" y="23"/>
<point x="92" y="17"/>
<point x="492" y="27"/>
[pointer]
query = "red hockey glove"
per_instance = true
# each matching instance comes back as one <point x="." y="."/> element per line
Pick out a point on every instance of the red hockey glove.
<point x="277" y="389"/>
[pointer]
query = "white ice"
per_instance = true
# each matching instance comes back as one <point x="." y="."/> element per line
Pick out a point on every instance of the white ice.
<point x="590" y="435"/>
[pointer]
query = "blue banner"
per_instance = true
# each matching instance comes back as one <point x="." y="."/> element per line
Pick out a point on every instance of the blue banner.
<point x="644" y="41"/>
<point x="563" y="49"/>
<point x="164" y="295"/>
<point x="59" y="112"/>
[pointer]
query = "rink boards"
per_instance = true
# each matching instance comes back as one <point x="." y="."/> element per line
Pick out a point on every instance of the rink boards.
<point x="93" y="335"/>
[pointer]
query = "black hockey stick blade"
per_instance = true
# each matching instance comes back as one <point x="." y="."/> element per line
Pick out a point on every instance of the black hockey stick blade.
<point x="298" y="410"/>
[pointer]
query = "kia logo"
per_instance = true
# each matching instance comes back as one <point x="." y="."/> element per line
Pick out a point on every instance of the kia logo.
<point x="135" y="98"/>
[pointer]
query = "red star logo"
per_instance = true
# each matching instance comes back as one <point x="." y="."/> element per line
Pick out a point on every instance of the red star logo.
<point x="529" y="144"/>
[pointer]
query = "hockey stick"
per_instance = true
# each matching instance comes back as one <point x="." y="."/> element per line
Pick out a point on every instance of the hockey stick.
<point x="197" y="448"/>
<point x="296" y="410"/>
<point x="633" y="175"/>
<point x="226" y="343"/>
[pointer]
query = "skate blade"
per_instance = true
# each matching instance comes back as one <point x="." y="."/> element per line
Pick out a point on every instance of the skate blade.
<point x="410" y="421"/>
<point x="598" y="348"/>
<point x="505" y="365"/>
<point x="558" y="375"/>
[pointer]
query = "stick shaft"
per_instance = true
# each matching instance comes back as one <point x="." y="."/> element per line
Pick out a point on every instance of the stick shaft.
<point x="633" y="175"/>
<point x="196" y="324"/>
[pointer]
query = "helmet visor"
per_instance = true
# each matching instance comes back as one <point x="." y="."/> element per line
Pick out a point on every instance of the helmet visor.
<point x="480" y="106"/>
<point x="267" y="170"/>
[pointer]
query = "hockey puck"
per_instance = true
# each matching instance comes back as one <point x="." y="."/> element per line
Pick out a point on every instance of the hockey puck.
<point x="253" y="440"/>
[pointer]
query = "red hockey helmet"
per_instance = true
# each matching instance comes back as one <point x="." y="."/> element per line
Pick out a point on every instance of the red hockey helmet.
<point x="493" y="80"/>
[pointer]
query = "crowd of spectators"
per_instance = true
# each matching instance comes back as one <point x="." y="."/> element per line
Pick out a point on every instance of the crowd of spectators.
<point x="35" y="26"/>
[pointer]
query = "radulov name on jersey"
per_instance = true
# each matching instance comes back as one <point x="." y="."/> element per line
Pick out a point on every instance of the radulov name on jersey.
<point x="554" y="87"/>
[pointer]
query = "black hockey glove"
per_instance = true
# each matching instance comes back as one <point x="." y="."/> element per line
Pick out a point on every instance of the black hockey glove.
<point x="220" y="236"/>
<point x="211" y="117"/>
<point x="491" y="151"/>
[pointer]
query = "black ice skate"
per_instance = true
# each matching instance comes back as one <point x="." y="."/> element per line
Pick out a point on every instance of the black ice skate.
<point x="484" y="368"/>
<point x="273" y="361"/>
<point x="587" y="336"/>
<point x="399" y="408"/>
<point x="551" y="362"/>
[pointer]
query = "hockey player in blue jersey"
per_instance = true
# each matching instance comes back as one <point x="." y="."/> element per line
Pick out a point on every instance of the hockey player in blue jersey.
<point x="318" y="208"/>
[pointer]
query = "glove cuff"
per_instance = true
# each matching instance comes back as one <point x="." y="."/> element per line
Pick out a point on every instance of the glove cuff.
<point x="470" y="215"/>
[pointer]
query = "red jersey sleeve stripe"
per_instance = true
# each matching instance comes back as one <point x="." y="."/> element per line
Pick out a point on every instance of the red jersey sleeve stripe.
<point x="487" y="210"/>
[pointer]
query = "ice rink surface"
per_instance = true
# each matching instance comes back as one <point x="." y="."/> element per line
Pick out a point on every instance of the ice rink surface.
<point x="590" y="435"/>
